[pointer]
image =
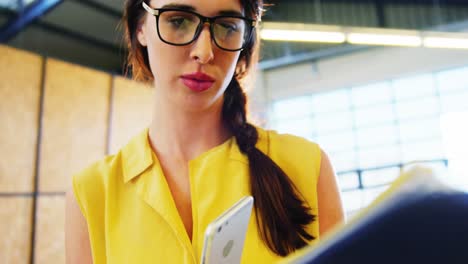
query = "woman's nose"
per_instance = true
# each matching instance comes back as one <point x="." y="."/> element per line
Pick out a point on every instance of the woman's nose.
<point x="202" y="50"/>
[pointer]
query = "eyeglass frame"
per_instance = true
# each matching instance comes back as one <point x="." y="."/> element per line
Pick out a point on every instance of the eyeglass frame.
<point x="251" y="23"/>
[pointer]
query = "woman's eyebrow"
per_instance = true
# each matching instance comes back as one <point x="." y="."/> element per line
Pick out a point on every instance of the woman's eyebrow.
<point x="179" y="6"/>
<point x="191" y="8"/>
<point x="230" y="13"/>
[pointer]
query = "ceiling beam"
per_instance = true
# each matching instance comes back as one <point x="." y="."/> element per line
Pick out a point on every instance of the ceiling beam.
<point x="380" y="13"/>
<point x="77" y="36"/>
<point x="101" y="8"/>
<point x="26" y="17"/>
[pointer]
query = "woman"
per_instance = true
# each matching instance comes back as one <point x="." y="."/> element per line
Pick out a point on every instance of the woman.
<point x="152" y="201"/>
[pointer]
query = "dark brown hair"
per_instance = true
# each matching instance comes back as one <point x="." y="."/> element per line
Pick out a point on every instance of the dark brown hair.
<point x="282" y="214"/>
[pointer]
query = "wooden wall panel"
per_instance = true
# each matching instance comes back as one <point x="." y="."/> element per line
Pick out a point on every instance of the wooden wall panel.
<point x="20" y="75"/>
<point x="50" y="236"/>
<point x="76" y="106"/>
<point x="131" y="111"/>
<point x="15" y="229"/>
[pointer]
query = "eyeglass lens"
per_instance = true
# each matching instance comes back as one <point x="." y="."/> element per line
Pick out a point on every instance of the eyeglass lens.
<point x="179" y="27"/>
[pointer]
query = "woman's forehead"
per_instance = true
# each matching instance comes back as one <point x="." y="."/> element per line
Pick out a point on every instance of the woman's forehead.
<point x="204" y="7"/>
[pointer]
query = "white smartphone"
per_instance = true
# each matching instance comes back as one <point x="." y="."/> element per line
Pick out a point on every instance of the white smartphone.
<point x="225" y="236"/>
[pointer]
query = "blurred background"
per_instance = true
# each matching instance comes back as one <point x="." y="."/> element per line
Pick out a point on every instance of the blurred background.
<point x="377" y="84"/>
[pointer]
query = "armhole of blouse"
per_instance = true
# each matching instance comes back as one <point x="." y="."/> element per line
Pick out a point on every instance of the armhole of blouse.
<point x="318" y="162"/>
<point x="77" y="191"/>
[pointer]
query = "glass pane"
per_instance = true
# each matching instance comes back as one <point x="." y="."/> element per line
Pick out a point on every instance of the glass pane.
<point x="414" y="87"/>
<point x="372" y="94"/>
<point x="348" y="181"/>
<point x="343" y="160"/>
<point x="455" y="135"/>
<point x="374" y="136"/>
<point x="353" y="201"/>
<point x="331" y="122"/>
<point x="336" y="142"/>
<point x="455" y="102"/>
<point x="420" y="129"/>
<point x="380" y="177"/>
<point x="369" y="195"/>
<point x="455" y="140"/>
<point x="458" y="176"/>
<point x="426" y="150"/>
<point x="332" y="101"/>
<point x="452" y="80"/>
<point x="292" y="108"/>
<point x="417" y="108"/>
<point x="380" y="156"/>
<point x="298" y="127"/>
<point x="381" y="114"/>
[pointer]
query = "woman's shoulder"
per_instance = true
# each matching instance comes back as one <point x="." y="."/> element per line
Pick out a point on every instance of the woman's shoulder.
<point x="114" y="167"/>
<point x="275" y="140"/>
<point x="98" y="171"/>
<point x="290" y="151"/>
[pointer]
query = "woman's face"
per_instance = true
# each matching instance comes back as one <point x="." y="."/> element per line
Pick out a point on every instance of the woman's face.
<point x="192" y="77"/>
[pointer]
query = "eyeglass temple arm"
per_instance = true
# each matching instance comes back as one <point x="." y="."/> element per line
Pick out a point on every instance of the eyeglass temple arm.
<point x="149" y="9"/>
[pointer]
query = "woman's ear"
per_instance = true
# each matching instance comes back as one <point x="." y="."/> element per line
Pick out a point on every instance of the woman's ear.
<point x="141" y="33"/>
<point x="240" y="67"/>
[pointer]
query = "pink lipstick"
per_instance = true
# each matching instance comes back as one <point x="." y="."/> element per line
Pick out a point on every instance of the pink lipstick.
<point x="197" y="81"/>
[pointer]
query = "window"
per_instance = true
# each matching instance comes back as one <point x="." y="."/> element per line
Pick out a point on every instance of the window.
<point x="377" y="136"/>
<point x="455" y="102"/>
<point x="292" y="108"/>
<point x="427" y="106"/>
<point x="373" y="178"/>
<point x="374" y="115"/>
<point x="454" y="135"/>
<point x="299" y="127"/>
<point x="379" y="156"/>
<point x="348" y="181"/>
<point x="375" y="94"/>
<point x="333" y="122"/>
<point x="452" y="80"/>
<point x="374" y="129"/>
<point x="414" y="87"/>
<point x="336" y="142"/>
<point x="331" y="101"/>
<point x="343" y="160"/>
<point x="419" y="129"/>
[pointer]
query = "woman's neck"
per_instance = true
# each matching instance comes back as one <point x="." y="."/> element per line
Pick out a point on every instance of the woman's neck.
<point x="184" y="135"/>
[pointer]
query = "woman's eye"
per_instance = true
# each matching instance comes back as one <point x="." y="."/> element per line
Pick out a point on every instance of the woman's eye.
<point x="229" y="27"/>
<point x="177" y="21"/>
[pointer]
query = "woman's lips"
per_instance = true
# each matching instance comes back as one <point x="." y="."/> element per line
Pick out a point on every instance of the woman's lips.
<point x="198" y="81"/>
<point x="197" y="85"/>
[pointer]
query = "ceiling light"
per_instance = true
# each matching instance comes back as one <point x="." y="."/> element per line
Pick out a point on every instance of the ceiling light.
<point x="277" y="31"/>
<point x="302" y="32"/>
<point x="445" y="40"/>
<point x="385" y="37"/>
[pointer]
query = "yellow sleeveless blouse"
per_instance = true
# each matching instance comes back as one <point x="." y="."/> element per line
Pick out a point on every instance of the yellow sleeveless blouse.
<point x="132" y="217"/>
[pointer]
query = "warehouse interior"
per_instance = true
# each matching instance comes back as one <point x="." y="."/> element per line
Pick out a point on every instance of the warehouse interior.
<point x="373" y="107"/>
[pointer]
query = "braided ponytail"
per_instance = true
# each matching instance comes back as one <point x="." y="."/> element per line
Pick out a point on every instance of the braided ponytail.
<point x="281" y="214"/>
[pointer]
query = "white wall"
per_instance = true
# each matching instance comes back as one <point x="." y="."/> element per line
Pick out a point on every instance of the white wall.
<point x="358" y="68"/>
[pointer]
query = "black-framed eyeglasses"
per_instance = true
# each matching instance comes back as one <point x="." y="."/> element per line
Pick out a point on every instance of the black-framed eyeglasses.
<point x="182" y="27"/>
